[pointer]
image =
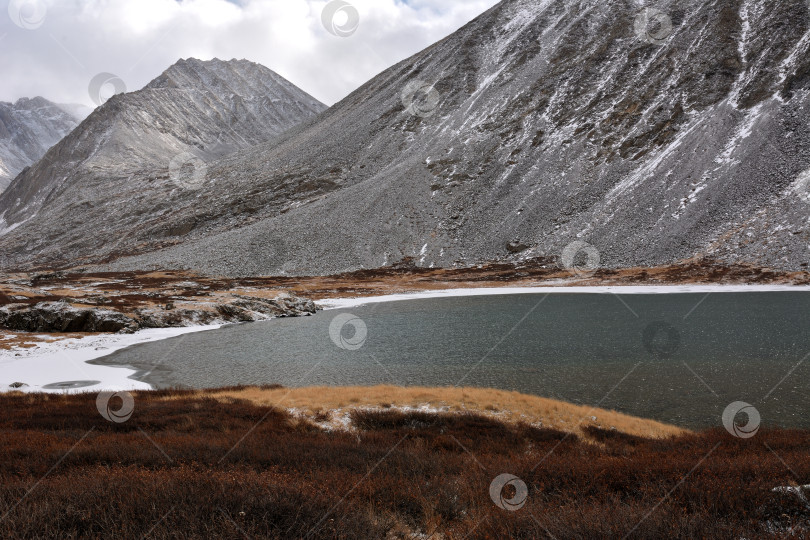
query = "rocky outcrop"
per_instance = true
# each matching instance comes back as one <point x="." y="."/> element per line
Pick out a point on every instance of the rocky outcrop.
<point x="63" y="317"/>
<point x="239" y="309"/>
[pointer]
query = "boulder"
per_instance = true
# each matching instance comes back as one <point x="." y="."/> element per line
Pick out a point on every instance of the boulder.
<point x="62" y="317"/>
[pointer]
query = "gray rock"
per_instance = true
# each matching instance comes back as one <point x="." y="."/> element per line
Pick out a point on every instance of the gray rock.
<point x="516" y="247"/>
<point x="62" y="317"/>
<point x="551" y="122"/>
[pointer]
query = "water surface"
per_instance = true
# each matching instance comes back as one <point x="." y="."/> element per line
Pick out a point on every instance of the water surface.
<point x="679" y="358"/>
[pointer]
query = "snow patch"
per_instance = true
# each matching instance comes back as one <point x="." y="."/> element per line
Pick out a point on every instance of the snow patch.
<point x="66" y="360"/>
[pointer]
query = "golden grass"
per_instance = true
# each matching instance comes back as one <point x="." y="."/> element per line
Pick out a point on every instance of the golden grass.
<point x="503" y="405"/>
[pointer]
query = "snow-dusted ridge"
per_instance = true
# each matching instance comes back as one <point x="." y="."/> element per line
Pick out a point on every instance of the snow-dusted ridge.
<point x="28" y="128"/>
<point x="149" y="146"/>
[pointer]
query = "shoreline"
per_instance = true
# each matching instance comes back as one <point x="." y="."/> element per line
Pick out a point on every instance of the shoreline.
<point x="69" y="359"/>
<point x="344" y="303"/>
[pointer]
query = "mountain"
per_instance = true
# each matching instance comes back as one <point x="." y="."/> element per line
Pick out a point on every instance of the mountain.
<point x="655" y="135"/>
<point x="97" y="183"/>
<point x="28" y="128"/>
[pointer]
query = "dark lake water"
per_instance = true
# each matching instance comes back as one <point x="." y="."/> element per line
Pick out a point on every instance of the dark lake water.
<point x="679" y="358"/>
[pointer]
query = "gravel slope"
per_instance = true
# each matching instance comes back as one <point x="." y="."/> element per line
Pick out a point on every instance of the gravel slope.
<point x="537" y="125"/>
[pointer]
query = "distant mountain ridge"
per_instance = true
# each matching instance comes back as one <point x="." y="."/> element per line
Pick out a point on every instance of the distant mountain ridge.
<point x="28" y="128"/>
<point x="652" y="136"/>
<point x="538" y="126"/>
<point x="192" y="113"/>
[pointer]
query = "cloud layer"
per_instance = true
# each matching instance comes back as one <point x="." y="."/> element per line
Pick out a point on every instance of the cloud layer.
<point x="54" y="48"/>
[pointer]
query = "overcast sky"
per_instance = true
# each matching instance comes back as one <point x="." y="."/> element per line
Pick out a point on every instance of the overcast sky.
<point x="53" y="48"/>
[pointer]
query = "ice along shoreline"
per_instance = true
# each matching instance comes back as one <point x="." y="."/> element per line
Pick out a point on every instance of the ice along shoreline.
<point x="43" y="367"/>
<point x="345" y="303"/>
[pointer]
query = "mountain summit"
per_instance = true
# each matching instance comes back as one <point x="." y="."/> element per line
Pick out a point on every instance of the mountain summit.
<point x="87" y="186"/>
<point x="255" y="102"/>
<point x="28" y="128"/>
<point x="653" y="136"/>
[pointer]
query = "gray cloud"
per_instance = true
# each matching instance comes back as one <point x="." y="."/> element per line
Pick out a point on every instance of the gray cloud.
<point x="137" y="39"/>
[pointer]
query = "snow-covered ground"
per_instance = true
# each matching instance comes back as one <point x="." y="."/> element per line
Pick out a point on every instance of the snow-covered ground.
<point x="344" y="303"/>
<point x="66" y="361"/>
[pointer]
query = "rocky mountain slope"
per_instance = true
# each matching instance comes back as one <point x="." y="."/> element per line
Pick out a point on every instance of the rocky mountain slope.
<point x="654" y="136"/>
<point x="28" y="128"/>
<point x="98" y="183"/>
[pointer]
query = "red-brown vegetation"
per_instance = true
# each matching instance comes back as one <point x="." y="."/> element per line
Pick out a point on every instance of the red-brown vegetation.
<point x="197" y="467"/>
